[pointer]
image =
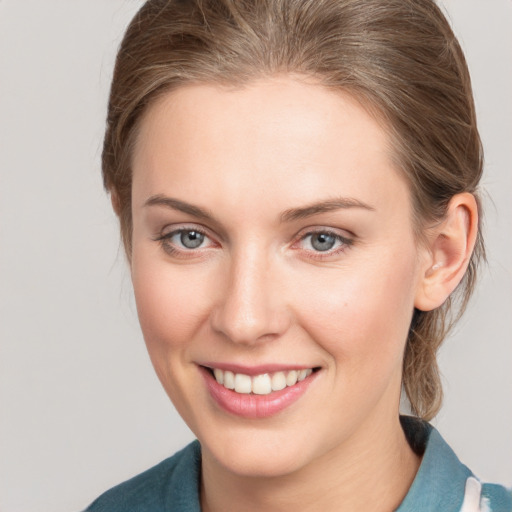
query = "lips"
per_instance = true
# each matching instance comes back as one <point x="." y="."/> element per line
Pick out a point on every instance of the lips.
<point x="254" y="392"/>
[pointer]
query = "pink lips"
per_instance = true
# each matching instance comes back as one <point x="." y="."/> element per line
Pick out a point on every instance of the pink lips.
<point x="254" y="406"/>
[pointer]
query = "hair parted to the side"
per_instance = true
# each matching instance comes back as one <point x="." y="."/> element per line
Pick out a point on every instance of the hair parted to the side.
<point x="400" y="58"/>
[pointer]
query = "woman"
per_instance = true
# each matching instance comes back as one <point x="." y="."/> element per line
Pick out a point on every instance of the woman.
<point x="297" y="186"/>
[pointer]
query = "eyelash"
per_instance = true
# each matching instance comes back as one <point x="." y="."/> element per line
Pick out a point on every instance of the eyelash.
<point x="173" y="251"/>
<point x="344" y="242"/>
<point x="170" y="249"/>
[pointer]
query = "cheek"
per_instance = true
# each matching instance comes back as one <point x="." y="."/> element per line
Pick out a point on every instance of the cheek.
<point x="171" y="300"/>
<point x="172" y="308"/>
<point x="361" y="316"/>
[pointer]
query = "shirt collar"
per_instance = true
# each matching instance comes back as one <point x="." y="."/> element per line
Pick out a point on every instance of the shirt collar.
<point x="441" y="478"/>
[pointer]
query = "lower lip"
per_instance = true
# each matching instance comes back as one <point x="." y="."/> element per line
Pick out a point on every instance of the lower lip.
<point x="255" y="406"/>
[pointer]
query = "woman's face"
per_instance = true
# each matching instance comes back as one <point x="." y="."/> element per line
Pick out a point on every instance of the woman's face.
<point x="271" y="234"/>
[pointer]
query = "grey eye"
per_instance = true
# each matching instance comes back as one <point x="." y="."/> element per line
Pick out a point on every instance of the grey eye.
<point x="191" y="239"/>
<point x="322" y="241"/>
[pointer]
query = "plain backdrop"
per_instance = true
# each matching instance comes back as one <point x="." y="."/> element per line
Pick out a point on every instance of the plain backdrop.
<point x="80" y="406"/>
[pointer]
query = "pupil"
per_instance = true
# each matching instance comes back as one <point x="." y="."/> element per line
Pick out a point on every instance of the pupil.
<point x="323" y="242"/>
<point x="191" y="239"/>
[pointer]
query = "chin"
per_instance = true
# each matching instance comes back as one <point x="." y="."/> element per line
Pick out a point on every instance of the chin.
<point x="259" y="453"/>
<point x="260" y="463"/>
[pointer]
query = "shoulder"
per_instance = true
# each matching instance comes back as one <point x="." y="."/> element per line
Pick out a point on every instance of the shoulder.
<point x="443" y="482"/>
<point x="174" y="482"/>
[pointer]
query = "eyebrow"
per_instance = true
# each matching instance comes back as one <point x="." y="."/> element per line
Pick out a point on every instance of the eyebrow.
<point x="182" y="206"/>
<point x="290" y="215"/>
<point x="340" y="203"/>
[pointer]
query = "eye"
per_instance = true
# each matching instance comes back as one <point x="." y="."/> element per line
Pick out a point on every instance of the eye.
<point x="326" y="242"/>
<point x="189" y="239"/>
<point x="322" y="241"/>
<point x="184" y="240"/>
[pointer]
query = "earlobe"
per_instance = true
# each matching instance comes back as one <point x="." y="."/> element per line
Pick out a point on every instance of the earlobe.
<point x="449" y="251"/>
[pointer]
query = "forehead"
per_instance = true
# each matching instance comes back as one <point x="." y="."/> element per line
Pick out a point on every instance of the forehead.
<point x="279" y="138"/>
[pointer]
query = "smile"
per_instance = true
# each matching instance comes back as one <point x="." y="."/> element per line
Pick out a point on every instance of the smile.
<point x="257" y="393"/>
<point x="262" y="384"/>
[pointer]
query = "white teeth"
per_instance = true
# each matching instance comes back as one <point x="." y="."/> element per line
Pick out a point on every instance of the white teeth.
<point x="219" y="375"/>
<point x="302" y="375"/>
<point x="229" y="380"/>
<point x="278" y="381"/>
<point x="291" y="378"/>
<point x="243" y="383"/>
<point x="262" y="384"/>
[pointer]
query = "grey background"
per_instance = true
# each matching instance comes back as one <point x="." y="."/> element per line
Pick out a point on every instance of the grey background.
<point x="80" y="407"/>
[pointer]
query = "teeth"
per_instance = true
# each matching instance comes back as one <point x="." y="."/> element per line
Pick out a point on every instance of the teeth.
<point x="262" y="384"/>
<point x="243" y="383"/>
<point x="229" y="380"/>
<point x="219" y="375"/>
<point x="278" y="381"/>
<point x="291" y="378"/>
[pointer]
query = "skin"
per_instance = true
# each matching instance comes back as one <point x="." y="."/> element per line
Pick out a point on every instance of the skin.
<point x="257" y="292"/>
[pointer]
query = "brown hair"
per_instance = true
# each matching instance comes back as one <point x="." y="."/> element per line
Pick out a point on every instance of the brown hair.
<point x="399" y="57"/>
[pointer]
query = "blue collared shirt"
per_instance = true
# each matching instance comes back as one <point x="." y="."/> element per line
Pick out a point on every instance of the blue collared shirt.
<point x="441" y="481"/>
<point x="442" y="484"/>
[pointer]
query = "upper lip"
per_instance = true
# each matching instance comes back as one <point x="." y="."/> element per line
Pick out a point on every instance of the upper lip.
<point x="255" y="369"/>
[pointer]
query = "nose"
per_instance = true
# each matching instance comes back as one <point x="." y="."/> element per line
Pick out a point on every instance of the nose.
<point x="251" y="307"/>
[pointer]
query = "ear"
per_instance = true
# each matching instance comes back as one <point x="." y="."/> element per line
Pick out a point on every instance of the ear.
<point x="448" y="252"/>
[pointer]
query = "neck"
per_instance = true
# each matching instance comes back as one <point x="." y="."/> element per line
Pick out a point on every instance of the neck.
<point x="372" y="472"/>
